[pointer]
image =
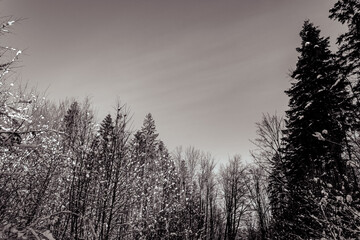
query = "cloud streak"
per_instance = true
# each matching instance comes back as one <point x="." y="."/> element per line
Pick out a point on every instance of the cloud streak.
<point x="205" y="69"/>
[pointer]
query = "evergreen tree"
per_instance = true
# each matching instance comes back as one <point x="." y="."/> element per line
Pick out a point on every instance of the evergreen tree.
<point x="106" y="150"/>
<point x="70" y="125"/>
<point x="109" y="177"/>
<point x="155" y="192"/>
<point x="105" y="171"/>
<point x="78" y="142"/>
<point x="316" y="131"/>
<point x="348" y="12"/>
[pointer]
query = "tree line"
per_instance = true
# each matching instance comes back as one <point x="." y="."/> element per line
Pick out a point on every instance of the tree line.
<point x="65" y="176"/>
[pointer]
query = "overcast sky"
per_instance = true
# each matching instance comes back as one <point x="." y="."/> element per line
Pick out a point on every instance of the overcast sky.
<point x="205" y="69"/>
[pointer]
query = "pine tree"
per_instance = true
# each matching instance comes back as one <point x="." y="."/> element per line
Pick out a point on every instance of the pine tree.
<point x="155" y="192"/>
<point x="105" y="171"/>
<point x="316" y="131"/>
<point x="348" y="12"/>
<point x="79" y="139"/>
<point x="109" y="185"/>
<point x="107" y="143"/>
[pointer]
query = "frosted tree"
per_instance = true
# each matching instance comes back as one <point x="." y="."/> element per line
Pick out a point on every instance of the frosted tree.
<point x="154" y="188"/>
<point x="29" y="162"/>
<point x="12" y="106"/>
<point x="269" y="156"/>
<point x="348" y="12"/>
<point x="208" y="194"/>
<point x="78" y="145"/>
<point x="257" y="186"/>
<point x="233" y="184"/>
<point x="107" y="171"/>
<point x="315" y="136"/>
<point x="187" y="162"/>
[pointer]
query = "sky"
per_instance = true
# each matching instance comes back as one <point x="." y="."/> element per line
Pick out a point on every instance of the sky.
<point x="205" y="69"/>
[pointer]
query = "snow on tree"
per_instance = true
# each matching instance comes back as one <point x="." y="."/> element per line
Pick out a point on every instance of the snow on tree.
<point x="308" y="153"/>
<point x="155" y="192"/>
<point x="233" y="182"/>
<point x="348" y="13"/>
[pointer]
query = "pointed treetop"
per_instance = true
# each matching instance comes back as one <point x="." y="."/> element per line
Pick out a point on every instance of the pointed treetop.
<point x="312" y="42"/>
<point x="106" y="127"/>
<point x="309" y="29"/>
<point x="107" y="121"/>
<point x="74" y="108"/>
<point x="148" y="125"/>
<point x="71" y="116"/>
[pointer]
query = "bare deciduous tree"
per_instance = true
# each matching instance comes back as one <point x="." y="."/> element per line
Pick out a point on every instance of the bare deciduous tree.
<point x="233" y="184"/>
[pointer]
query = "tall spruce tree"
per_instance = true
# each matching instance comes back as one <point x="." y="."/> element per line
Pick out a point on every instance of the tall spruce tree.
<point x="155" y="193"/>
<point x="316" y="131"/>
<point x="348" y="12"/>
